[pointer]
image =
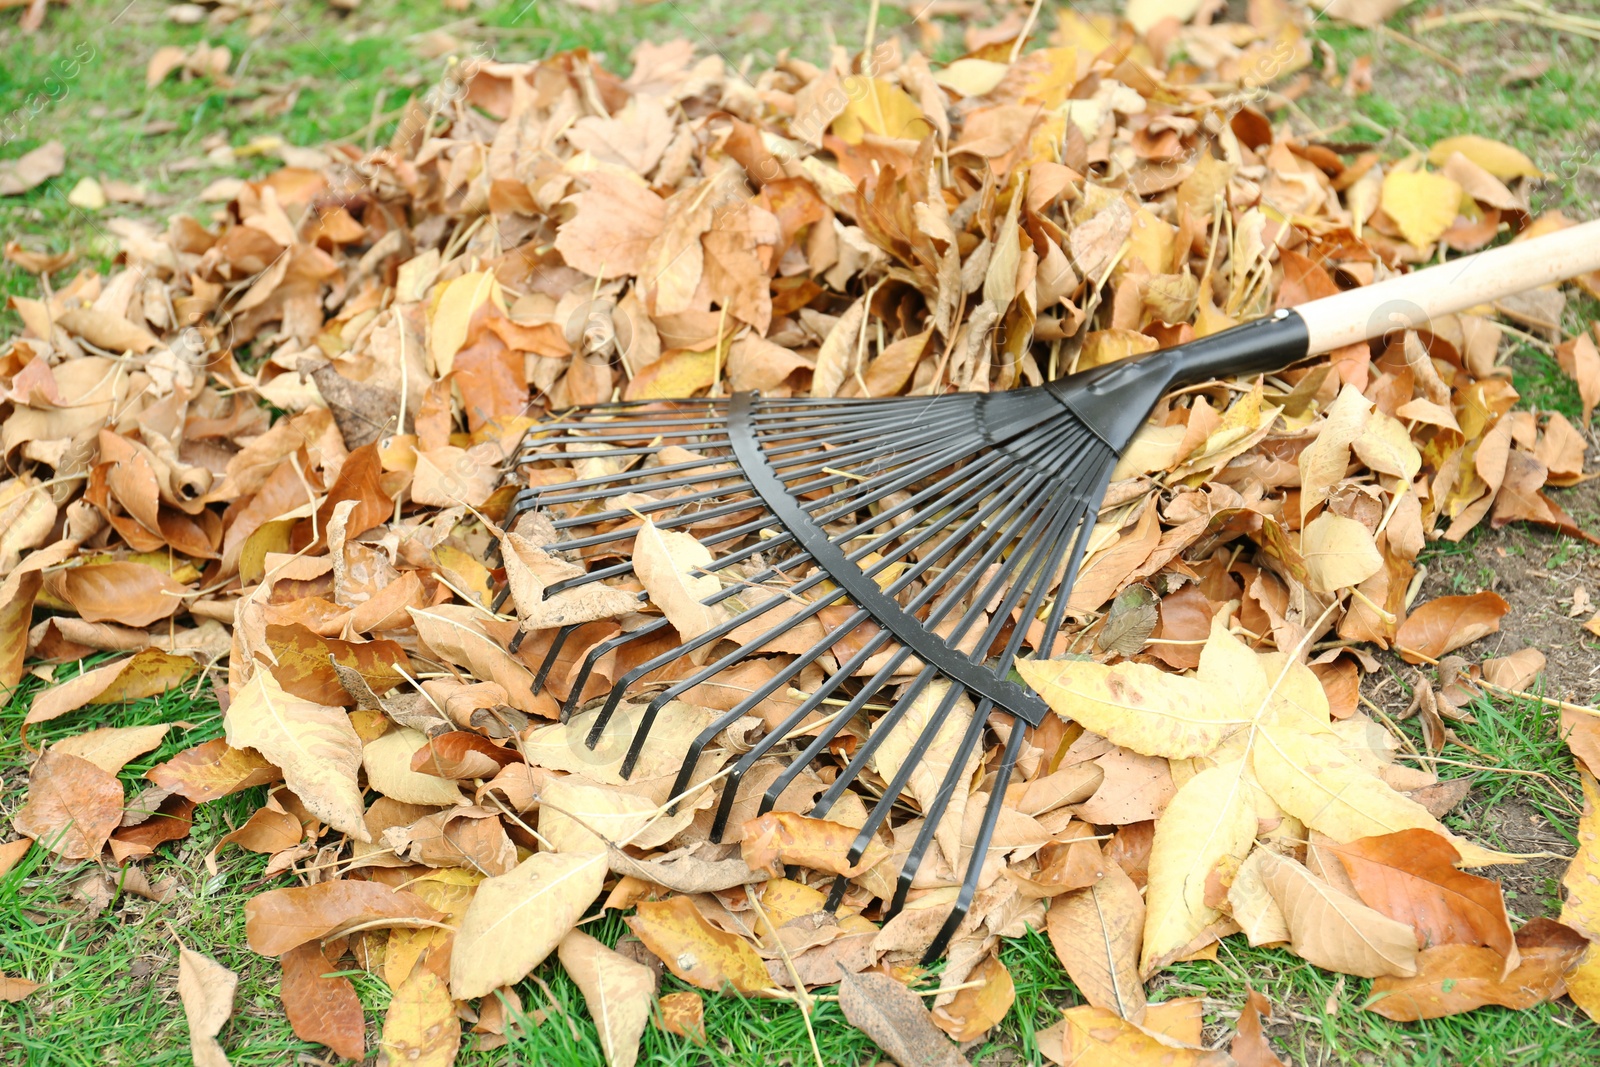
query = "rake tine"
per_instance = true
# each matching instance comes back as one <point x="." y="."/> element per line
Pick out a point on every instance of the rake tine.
<point x="826" y="735"/>
<point x="980" y="847"/>
<point x="1089" y="507"/>
<point x="895" y="787"/>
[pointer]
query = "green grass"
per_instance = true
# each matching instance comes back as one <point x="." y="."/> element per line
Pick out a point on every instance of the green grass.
<point x="317" y="74"/>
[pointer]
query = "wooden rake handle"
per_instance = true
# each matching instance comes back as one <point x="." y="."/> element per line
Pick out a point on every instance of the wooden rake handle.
<point x="1409" y="301"/>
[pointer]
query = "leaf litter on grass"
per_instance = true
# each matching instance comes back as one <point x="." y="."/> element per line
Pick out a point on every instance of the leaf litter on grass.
<point x="271" y="445"/>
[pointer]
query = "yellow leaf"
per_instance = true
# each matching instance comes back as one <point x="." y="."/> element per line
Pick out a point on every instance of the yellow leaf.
<point x="1384" y="445"/>
<point x="1499" y="159"/>
<point x="928" y="773"/>
<point x="696" y="951"/>
<point x="206" y="989"/>
<point x="881" y="108"/>
<point x="1210" y="821"/>
<point x="1146" y="13"/>
<point x="1320" y="785"/>
<point x="517" y="919"/>
<point x="572" y="812"/>
<point x="314" y="744"/>
<point x="1422" y="204"/>
<point x="420" y="1028"/>
<point x="1581" y="911"/>
<point x="388" y="764"/>
<point x="453" y="313"/>
<point x="1136" y="705"/>
<point x="1323" y="461"/>
<point x="1339" y="553"/>
<point x="971" y="77"/>
<point x="676" y="374"/>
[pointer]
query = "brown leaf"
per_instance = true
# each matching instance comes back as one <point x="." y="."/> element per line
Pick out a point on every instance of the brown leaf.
<point x="134" y="594"/>
<point x="1580" y="358"/>
<point x="1332" y="931"/>
<point x="32" y="169"/>
<point x="1410" y="876"/>
<point x="281" y="919"/>
<point x="169" y="822"/>
<point x="321" y="1006"/>
<point x="895" y="1019"/>
<point x="14" y="989"/>
<point x="305" y="663"/>
<point x="1096" y="933"/>
<point x="212" y="770"/>
<point x="616" y="990"/>
<point x="616" y="221"/>
<point x="1451" y="979"/>
<point x="1448" y="623"/>
<point x="11" y="854"/>
<point x="1250" y="1048"/>
<point x="72" y="806"/>
<point x="462" y="754"/>
<point x="696" y="951"/>
<point x="206" y="989"/>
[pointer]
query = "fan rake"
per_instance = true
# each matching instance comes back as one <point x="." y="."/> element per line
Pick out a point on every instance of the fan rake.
<point x="951" y="527"/>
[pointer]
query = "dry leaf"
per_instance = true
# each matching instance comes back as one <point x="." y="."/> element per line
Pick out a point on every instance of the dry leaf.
<point x="111" y="747"/>
<point x="1455" y="978"/>
<point x="696" y="951"/>
<point x="896" y="1020"/>
<point x="517" y="919"/>
<point x="420" y="1028"/>
<point x="206" y="989"/>
<point x="1332" y="931"/>
<point x="1441" y="626"/>
<point x="282" y="919"/>
<point x="616" y="990"/>
<point x="320" y="1006"/>
<point x="314" y="744"/>
<point x="72" y="806"/>
<point x="1096" y="934"/>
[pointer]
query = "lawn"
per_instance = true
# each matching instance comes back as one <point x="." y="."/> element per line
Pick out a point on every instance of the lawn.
<point x="308" y="72"/>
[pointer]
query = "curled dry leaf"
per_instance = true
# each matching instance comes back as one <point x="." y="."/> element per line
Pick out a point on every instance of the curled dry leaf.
<point x="977" y="1010"/>
<point x="696" y="951"/>
<point x="783" y="837"/>
<point x="1250" y="1048"/>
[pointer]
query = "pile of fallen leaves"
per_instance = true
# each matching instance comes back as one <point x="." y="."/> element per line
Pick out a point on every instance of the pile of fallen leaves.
<point x="272" y="444"/>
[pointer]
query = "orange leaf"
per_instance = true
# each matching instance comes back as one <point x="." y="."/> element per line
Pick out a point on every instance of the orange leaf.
<point x="304" y="669"/>
<point x="782" y="837"/>
<point x="322" y="1007"/>
<point x="1451" y="979"/>
<point x="1446" y="624"/>
<point x="129" y="593"/>
<point x="683" y="1014"/>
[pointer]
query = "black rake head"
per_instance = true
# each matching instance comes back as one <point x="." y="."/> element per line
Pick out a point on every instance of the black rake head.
<point x="931" y="540"/>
